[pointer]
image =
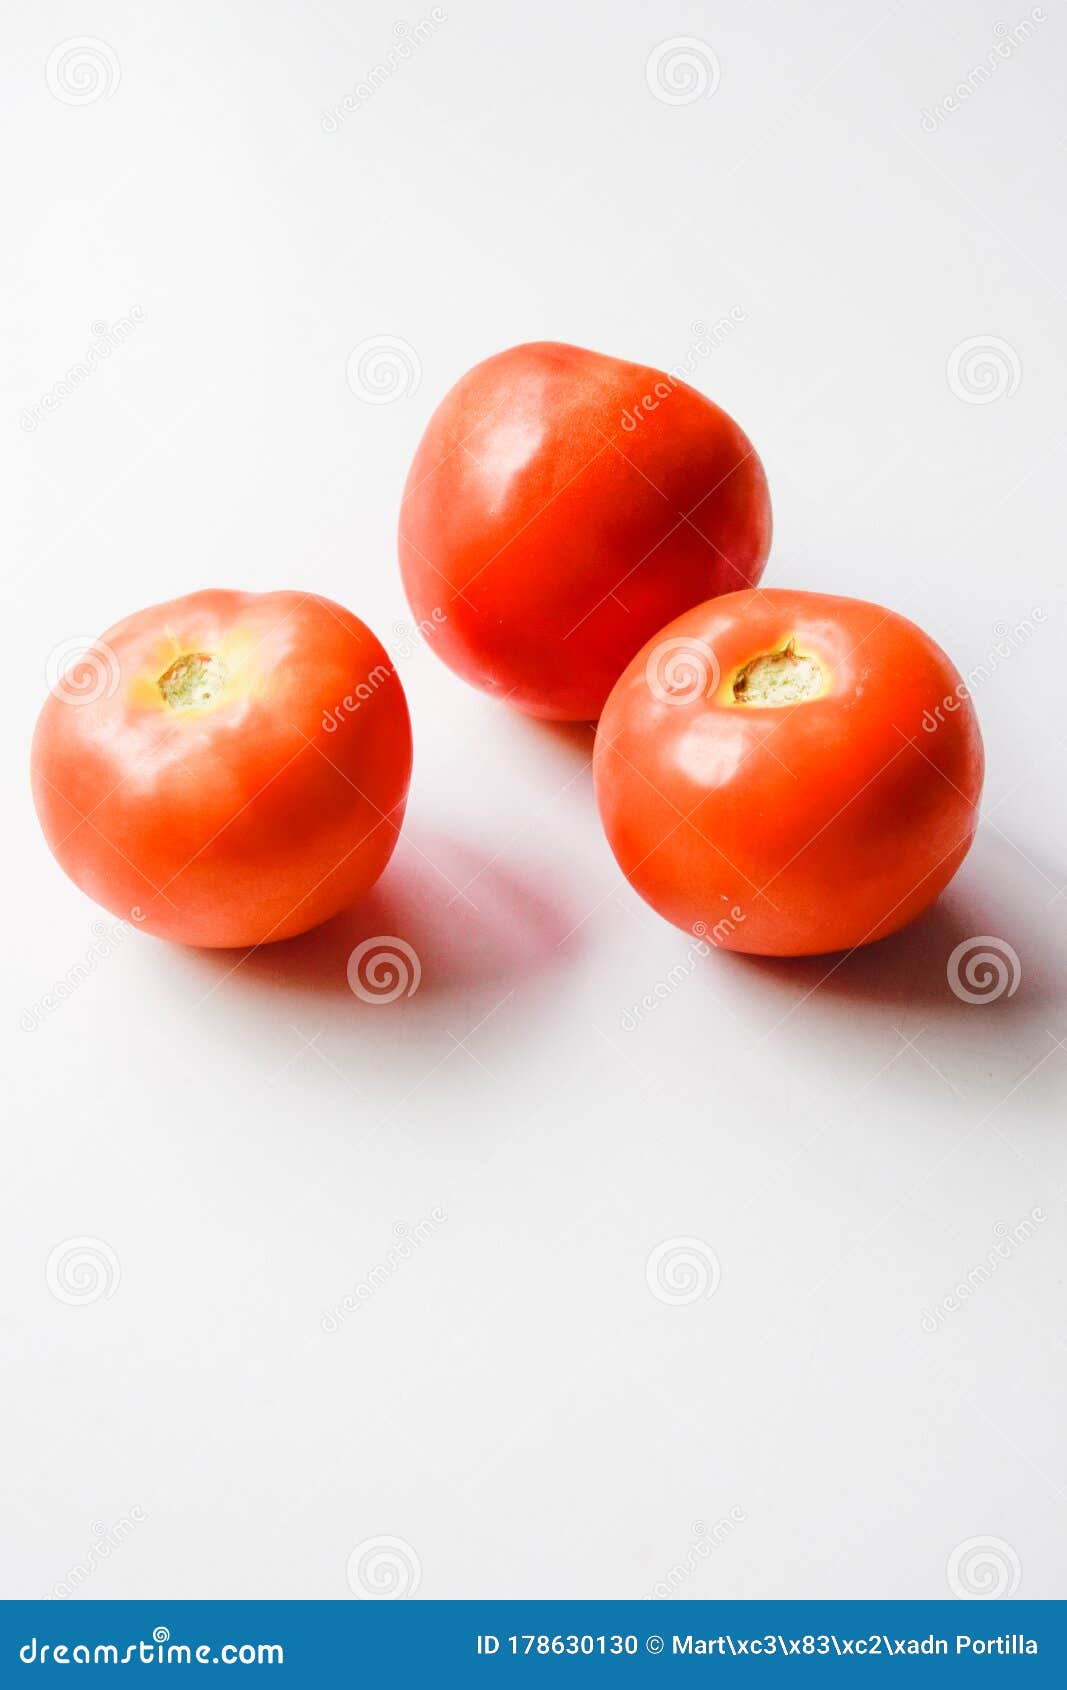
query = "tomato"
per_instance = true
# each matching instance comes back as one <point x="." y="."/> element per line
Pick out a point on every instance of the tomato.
<point x="228" y="768"/>
<point x="560" y="508"/>
<point x="788" y="773"/>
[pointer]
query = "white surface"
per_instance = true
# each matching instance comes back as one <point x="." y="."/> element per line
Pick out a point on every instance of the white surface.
<point x="515" y="1403"/>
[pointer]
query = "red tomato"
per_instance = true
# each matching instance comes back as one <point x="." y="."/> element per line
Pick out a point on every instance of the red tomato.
<point x="561" y="507"/>
<point x="787" y="773"/>
<point x="228" y="768"/>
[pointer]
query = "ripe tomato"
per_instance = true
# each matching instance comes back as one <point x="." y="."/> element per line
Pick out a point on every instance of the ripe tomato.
<point x="561" y="507"/>
<point x="229" y="768"/>
<point x="788" y="772"/>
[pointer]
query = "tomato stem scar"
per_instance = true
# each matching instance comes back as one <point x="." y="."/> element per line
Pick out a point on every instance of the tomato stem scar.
<point x="193" y="680"/>
<point x="778" y="677"/>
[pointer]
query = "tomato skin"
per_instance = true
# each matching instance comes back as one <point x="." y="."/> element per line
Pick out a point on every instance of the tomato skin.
<point x="553" y="521"/>
<point x="796" y="829"/>
<point x="250" y="818"/>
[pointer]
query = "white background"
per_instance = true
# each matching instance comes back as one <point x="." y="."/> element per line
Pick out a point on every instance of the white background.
<point x="515" y="1403"/>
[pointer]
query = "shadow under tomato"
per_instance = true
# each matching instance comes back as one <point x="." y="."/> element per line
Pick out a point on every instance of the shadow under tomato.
<point x="456" y="922"/>
<point x="915" y="968"/>
<point x="570" y="742"/>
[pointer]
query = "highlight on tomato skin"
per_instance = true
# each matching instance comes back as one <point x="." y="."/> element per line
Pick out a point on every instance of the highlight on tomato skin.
<point x="789" y="773"/>
<point x="226" y="769"/>
<point x="563" y="505"/>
